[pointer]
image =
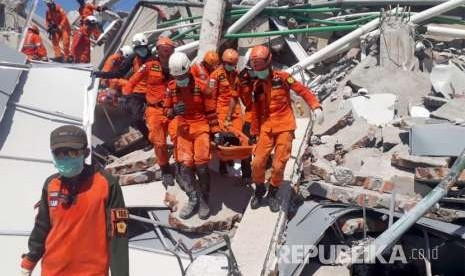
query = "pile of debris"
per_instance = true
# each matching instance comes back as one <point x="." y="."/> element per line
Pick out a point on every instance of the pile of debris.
<point x="391" y="130"/>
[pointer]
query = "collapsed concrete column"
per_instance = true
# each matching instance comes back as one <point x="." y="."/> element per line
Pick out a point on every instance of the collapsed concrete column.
<point x="212" y="25"/>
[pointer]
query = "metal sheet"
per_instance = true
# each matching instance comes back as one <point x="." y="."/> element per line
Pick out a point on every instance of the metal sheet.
<point x="307" y="228"/>
<point x="437" y="139"/>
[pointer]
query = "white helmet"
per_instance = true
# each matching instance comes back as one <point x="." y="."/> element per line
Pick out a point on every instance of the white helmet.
<point x="127" y="51"/>
<point x="139" y="39"/>
<point x="92" y="19"/>
<point x="179" y="64"/>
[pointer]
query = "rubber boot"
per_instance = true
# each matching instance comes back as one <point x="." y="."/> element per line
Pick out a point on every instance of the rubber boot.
<point x="178" y="176"/>
<point x="223" y="168"/>
<point x="204" y="183"/>
<point x="167" y="177"/>
<point x="257" y="198"/>
<point x="190" y="208"/>
<point x="273" y="200"/>
<point x="246" y="171"/>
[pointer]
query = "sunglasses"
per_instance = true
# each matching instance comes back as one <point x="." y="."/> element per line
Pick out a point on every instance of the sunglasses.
<point x="71" y="153"/>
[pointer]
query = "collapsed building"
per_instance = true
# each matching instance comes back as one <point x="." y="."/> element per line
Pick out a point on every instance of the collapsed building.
<point x="383" y="170"/>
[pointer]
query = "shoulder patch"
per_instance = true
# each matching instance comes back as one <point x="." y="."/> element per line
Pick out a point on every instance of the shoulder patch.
<point x="156" y="68"/>
<point x="290" y="80"/>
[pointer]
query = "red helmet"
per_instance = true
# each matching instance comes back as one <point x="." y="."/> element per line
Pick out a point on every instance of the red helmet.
<point x="260" y="57"/>
<point x="230" y="56"/>
<point x="211" y="58"/>
<point x="164" y="41"/>
<point x="34" y="28"/>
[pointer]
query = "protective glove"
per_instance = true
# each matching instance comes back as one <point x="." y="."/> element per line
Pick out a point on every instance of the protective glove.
<point x="252" y="140"/>
<point x="52" y="29"/>
<point x="317" y="116"/>
<point x="179" y="109"/>
<point x="25" y="272"/>
<point x="96" y="74"/>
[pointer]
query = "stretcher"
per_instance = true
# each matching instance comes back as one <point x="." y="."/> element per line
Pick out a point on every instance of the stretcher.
<point x="226" y="153"/>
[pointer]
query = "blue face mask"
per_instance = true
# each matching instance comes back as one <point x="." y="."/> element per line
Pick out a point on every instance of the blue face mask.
<point x="183" y="82"/>
<point x="262" y="74"/>
<point x="69" y="167"/>
<point x="229" y="67"/>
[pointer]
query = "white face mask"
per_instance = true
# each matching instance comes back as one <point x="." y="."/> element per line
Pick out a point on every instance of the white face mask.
<point x="141" y="52"/>
<point x="183" y="82"/>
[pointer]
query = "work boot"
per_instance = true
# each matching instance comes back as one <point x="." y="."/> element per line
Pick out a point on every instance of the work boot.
<point x="246" y="171"/>
<point x="223" y="168"/>
<point x="167" y="176"/>
<point x="273" y="200"/>
<point x="204" y="184"/>
<point x="190" y="208"/>
<point x="178" y="176"/>
<point x="257" y="198"/>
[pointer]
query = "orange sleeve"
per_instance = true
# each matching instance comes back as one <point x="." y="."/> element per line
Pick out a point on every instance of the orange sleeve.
<point x="63" y="17"/>
<point x="301" y="90"/>
<point x="135" y="79"/>
<point x="169" y="99"/>
<point x="41" y="51"/>
<point x="108" y="65"/>
<point x="76" y="40"/>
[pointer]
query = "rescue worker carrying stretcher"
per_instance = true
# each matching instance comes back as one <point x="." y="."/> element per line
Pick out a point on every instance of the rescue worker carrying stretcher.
<point x="202" y="70"/>
<point x="133" y="100"/>
<point x="58" y="29"/>
<point x="80" y="51"/>
<point x="223" y="85"/>
<point x="33" y="46"/>
<point x="195" y="110"/>
<point x="156" y="78"/>
<point x="81" y="224"/>
<point x="276" y="123"/>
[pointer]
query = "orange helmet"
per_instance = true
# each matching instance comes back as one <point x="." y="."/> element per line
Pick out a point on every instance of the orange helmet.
<point x="230" y="56"/>
<point x="164" y="41"/>
<point x="211" y="58"/>
<point x="260" y="57"/>
<point x="34" y="28"/>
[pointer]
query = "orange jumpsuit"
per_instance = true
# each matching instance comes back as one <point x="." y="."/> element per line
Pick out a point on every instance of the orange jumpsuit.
<point x="276" y="123"/>
<point x="113" y="63"/>
<point x="199" y="71"/>
<point x="141" y="85"/>
<point x="87" y="10"/>
<point x="33" y="46"/>
<point x="223" y="86"/>
<point x="58" y="17"/>
<point x="194" y="126"/>
<point x="156" y="81"/>
<point x="246" y="83"/>
<point x="81" y="45"/>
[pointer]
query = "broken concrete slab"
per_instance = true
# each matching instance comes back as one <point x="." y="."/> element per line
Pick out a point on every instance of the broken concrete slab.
<point x="373" y="183"/>
<point x="443" y="139"/>
<point x="146" y="176"/>
<point x="436" y="175"/>
<point x="391" y="137"/>
<point x="134" y="162"/>
<point x="355" y="159"/>
<point x="376" y="109"/>
<point x="401" y="158"/>
<point x="453" y="111"/>
<point x="228" y="201"/>
<point x="397" y="44"/>
<point x="336" y="117"/>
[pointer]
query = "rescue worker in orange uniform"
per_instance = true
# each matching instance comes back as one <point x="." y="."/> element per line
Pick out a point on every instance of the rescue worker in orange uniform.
<point x="113" y="63"/>
<point x="81" y="225"/>
<point x="80" y="51"/>
<point x="58" y="29"/>
<point x="88" y="9"/>
<point x="202" y="70"/>
<point x="33" y="46"/>
<point x="133" y="100"/>
<point x="156" y="79"/>
<point x="224" y="84"/>
<point x="276" y="123"/>
<point x="186" y="99"/>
